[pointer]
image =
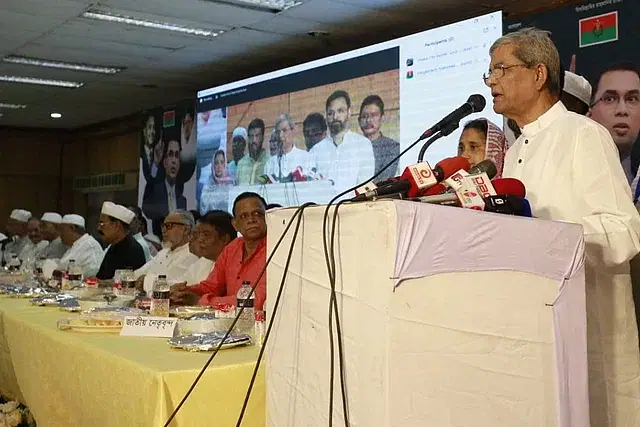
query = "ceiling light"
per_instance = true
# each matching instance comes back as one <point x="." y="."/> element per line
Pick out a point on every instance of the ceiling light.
<point x="123" y="19"/>
<point x="35" y="81"/>
<point x="12" y="106"/>
<point x="273" y="6"/>
<point x="55" y="115"/>
<point x="61" y="64"/>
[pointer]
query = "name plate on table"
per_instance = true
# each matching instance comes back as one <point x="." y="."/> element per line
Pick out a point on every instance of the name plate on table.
<point x="148" y="326"/>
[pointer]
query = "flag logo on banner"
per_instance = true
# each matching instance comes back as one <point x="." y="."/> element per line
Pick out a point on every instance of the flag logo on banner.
<point x="168" y="119"/>
<point x="599" y="29"/>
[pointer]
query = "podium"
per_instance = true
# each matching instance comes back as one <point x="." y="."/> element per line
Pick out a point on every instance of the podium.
<point x="450" y="317"/>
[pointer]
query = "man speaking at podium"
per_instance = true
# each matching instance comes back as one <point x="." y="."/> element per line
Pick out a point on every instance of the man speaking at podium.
<point x="571" y="169"/>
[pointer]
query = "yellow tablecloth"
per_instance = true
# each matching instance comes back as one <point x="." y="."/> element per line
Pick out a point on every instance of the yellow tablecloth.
<point x="91" y="380"/>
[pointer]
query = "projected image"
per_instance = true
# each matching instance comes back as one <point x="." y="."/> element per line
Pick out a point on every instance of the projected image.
<point x="167" y="162"/>
<point x="309" y="144"/>
<point x="309" y="132"/>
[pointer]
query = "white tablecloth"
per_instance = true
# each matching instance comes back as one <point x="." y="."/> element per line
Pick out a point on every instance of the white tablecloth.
<point x="450" y="317"/>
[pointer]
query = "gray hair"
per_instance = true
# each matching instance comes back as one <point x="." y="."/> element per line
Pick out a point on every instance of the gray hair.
<point x="284" y="117"/>
<point x="186" y="217"/>
<point x="533" y="46"/>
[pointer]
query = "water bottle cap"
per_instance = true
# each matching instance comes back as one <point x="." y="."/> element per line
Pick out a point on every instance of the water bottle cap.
<point x="162" y="276"/>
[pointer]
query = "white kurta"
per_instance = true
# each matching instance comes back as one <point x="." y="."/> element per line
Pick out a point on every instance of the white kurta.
<point x="198" y="271"/>
<point x="54" y="250"/>
<point x="172" y="263"/>
<point x="87" y="253"/>
<point x="348" y="164"/>
<point x="16" y="246"/>
<point x="31" y="251"/>
<point x="571" y="170"/>
<point x="288" y="163"/>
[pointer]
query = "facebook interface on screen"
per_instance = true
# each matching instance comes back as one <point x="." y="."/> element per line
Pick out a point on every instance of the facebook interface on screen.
<point x="309" y="132"/>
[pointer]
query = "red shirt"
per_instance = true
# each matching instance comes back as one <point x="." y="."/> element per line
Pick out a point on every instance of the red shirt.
<point x="230" y="271"/>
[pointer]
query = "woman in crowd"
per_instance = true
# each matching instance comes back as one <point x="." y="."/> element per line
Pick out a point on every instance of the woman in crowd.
<point x="215" y="194"/>
<point x="480" y="140"/>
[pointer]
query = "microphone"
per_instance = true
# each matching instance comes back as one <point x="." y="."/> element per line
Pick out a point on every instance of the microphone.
<point x="486" y="166"/>
<point x="469" y="197"/>
<point x="510" y="186"/>
<point x="508" y="204"/>
<point x="474" y="104"/>
<point x="416" y="179"/>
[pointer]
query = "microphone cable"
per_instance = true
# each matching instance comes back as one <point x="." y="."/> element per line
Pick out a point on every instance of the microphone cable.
<point x="298" y="212"/>
<point x="328" y="243"/>
<point x="275" y="309"/>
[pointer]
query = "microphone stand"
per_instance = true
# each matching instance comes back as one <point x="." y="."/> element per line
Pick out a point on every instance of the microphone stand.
<point x="447" y="130"/>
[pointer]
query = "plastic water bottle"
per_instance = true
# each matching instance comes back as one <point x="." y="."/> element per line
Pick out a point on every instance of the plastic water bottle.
<point x="74" y="273"/>
<point x="247" y="320"/>
<point x="160" y="297"/>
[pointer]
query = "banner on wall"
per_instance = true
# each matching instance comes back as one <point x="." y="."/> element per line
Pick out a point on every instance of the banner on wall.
<point x="167" y="162"/>
<point x="602" y="37"/>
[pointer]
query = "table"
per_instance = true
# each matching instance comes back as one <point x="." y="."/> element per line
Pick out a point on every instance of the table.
<point x="88" y="379"/>
<point x="451" y="317"/>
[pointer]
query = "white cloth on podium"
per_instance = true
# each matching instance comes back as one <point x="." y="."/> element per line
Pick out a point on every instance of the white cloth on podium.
<point x="450" y="317"/>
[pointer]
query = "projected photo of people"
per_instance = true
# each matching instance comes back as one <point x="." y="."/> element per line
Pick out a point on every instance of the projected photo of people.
<point x="167" y="162"/>
<point x="311" y="144"/>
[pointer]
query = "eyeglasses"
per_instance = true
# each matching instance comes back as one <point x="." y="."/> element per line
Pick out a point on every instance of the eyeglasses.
<point x="498" y="72"/>
<point x="170" y="225"/>
<point x="254" y="214"/>
<point x="612" y="100"/>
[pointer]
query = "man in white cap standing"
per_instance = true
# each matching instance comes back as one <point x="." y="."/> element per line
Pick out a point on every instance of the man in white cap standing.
<point x="576" y="93"/>
<point x="124" y="251"/>
<point x="17" y="229"/>
<point x="49" y="227"/>
<point x="84" y="250"/>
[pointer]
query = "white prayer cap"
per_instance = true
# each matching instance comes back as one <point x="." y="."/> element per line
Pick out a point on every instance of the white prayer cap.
<point x="73" y="219"/>
<point x="3" y="237"/>
<point x="51" y="217"/>
<point x="240" y="131"/>
<point x="577" y="86"/>
<point x="117" y="211"/>
<point x="20" y="215"/>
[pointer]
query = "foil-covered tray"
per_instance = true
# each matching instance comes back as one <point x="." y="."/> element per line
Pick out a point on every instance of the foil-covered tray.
<point x="24" y="291"/>
<point x="207" y="341"/>
<point x="54" y="300"/>
<point x="188" y="311"/>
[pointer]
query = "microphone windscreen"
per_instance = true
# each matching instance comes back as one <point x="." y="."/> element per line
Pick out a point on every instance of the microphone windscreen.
<point x="486" y="166"/>
<point x="477" y="101"/>
<point x="435" y="190"/>
<point x="509" y="186"/>
<point x="451" y="165"/>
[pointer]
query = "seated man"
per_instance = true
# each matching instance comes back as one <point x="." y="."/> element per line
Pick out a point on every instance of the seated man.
<point x="123" y="252"/>
<point x="241" y="260"/>
<point x="83" y="248"/>
<point x="36" y="243"/>
<point x="213" y="232"/>
<point x="137" y="226"/>
<point x="174" y="260"/>
<point x="50" y="229"/>
<point x="17" y="231"/>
